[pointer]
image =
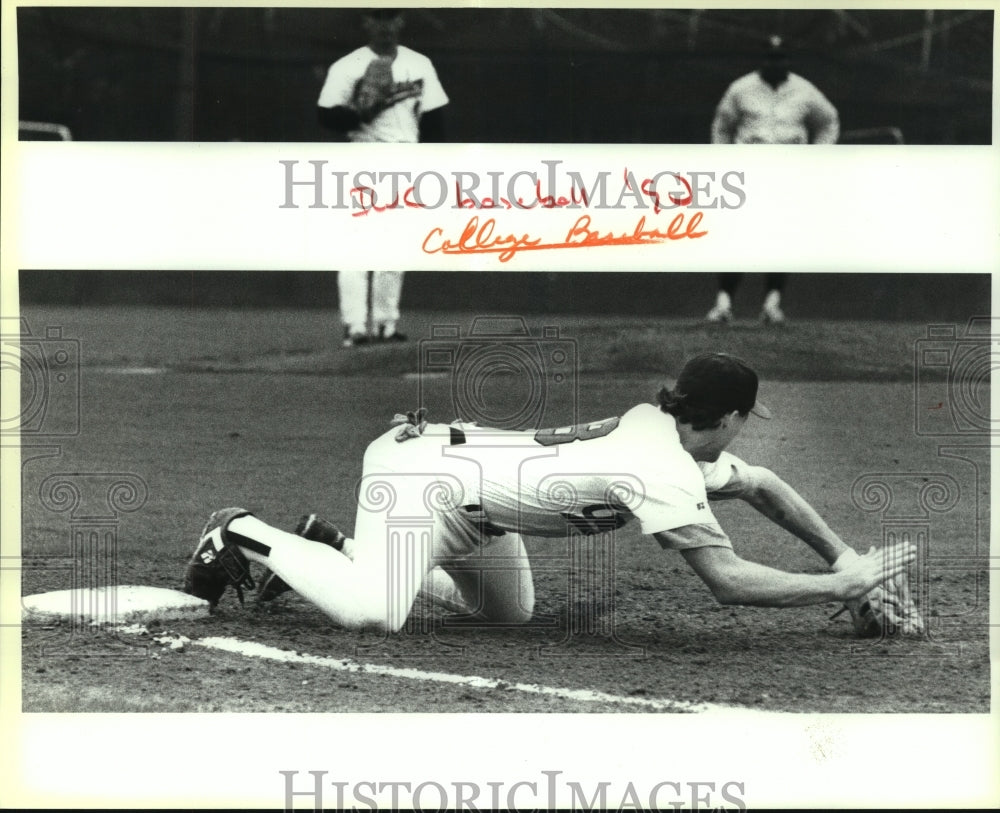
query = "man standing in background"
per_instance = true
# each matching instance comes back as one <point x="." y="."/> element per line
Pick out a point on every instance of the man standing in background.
<point x="381" y="92"/>
<point x="771" y="105"/>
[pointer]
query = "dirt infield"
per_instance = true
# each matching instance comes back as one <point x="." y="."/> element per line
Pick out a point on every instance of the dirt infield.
<point x="193" y="425"/>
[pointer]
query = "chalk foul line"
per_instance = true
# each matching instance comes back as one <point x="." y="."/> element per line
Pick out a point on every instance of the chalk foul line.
<point x="253" y="649"/>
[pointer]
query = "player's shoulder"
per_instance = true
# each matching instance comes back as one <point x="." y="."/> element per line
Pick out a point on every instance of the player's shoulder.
<point x="747" y="82"/>
<point x="801" y="84"/>
<point x="652" y="428"/>
<point x="409" y="53"/>
<point x="643" y="415"/>
<point x="413" y="57"/>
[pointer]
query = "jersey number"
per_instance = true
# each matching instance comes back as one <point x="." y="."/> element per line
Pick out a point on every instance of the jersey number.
<point x="596" y="519"/>
<point x="581" y="431"/>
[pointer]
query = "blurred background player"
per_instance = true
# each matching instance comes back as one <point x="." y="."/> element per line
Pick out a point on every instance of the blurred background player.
<point x="770" y="312"/>
<point x="770" y="105"/>
<point x="382" y="290"/>
<point x="380" y="92"/>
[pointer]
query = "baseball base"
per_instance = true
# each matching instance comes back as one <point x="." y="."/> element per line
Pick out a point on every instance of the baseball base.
<point x="122" y="604"/>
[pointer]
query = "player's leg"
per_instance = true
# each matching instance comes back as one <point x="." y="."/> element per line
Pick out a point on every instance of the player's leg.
<point x="771" y="310"/>
<point x="722" y="310"/>
<point x="387" y="288"/>
<point x="352" y="289"/>
<point x="492" y="585"/>
<point x="390" y="560"/>
<point x="374" y="590"/>
<point x="316" y="529"/>
<point x="481" y="573"/>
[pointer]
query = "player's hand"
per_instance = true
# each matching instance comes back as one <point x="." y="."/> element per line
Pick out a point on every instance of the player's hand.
<point x="874" y="568"/>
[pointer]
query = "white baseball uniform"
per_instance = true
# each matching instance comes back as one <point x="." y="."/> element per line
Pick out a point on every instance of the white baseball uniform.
<point x="459" y="497"/>
<point x="753" y="112"/>
<point x="397" y="124"/>
<point x="386" y="290"/>
<point x="401" y="122"/>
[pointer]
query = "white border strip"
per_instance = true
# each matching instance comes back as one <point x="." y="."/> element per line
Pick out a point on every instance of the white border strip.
<point x="252" y="649"/>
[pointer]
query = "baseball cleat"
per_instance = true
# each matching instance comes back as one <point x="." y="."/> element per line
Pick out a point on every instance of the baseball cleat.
<point x="719" y="314"/>
<point x="772" y="315"/>
<point x="311" y="527"/>
<point x="395" y="336"/>
<point x="356" y="340"/>
<point x="217" y="562"/>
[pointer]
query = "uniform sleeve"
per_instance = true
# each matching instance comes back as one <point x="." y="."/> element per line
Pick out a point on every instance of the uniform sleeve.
<point x="822" y="120"/>
<point x="433" y="96"/>
<point x="726" y="478"/>
<point x="688" y="537"/>
<point x="664" y="506"/>
<point x="726" y="118"/>
<point x="339" y="84"/>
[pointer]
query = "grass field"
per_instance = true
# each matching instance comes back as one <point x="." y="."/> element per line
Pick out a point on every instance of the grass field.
<point x="200" y="409"/>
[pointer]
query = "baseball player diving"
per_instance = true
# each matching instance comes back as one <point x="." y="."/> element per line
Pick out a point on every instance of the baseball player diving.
<point x="380" y="92"/>
<point x="657" y="464"/>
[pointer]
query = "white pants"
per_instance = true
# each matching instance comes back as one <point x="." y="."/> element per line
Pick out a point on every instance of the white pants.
<point x="386" y="289"/>
<point x="417" y="528"/>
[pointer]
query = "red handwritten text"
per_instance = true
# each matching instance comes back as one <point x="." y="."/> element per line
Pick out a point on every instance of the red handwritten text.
<point x="577" y="197"/>
<point x="364" y="197"/>
<point x="484" y="239"/>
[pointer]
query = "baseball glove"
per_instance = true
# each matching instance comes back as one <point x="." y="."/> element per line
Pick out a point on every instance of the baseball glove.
<point x="373" y="88"/>
<point x="887" y="610"/>
<point x="413" y="424"/>
<point x="376" y="91"/>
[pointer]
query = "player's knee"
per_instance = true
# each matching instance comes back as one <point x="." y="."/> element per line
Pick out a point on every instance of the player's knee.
<point x="520" y="612"/>
<point x="371" y="621"/>
<point x="520" y="615"/>
<point x="369" y="612"/>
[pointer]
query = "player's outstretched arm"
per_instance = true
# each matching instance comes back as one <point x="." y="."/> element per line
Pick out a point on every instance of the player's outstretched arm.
<point x="733" y="580"/>
<point x="784" y="506"/>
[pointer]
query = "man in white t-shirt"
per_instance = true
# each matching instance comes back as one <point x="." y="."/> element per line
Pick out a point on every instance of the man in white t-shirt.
<point x="442" y="508"/>
<point x="381" y="92"/>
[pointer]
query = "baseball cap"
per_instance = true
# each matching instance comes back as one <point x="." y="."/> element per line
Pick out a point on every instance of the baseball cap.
<point x="720" y="381"/>
<point x="776" y="47"/>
